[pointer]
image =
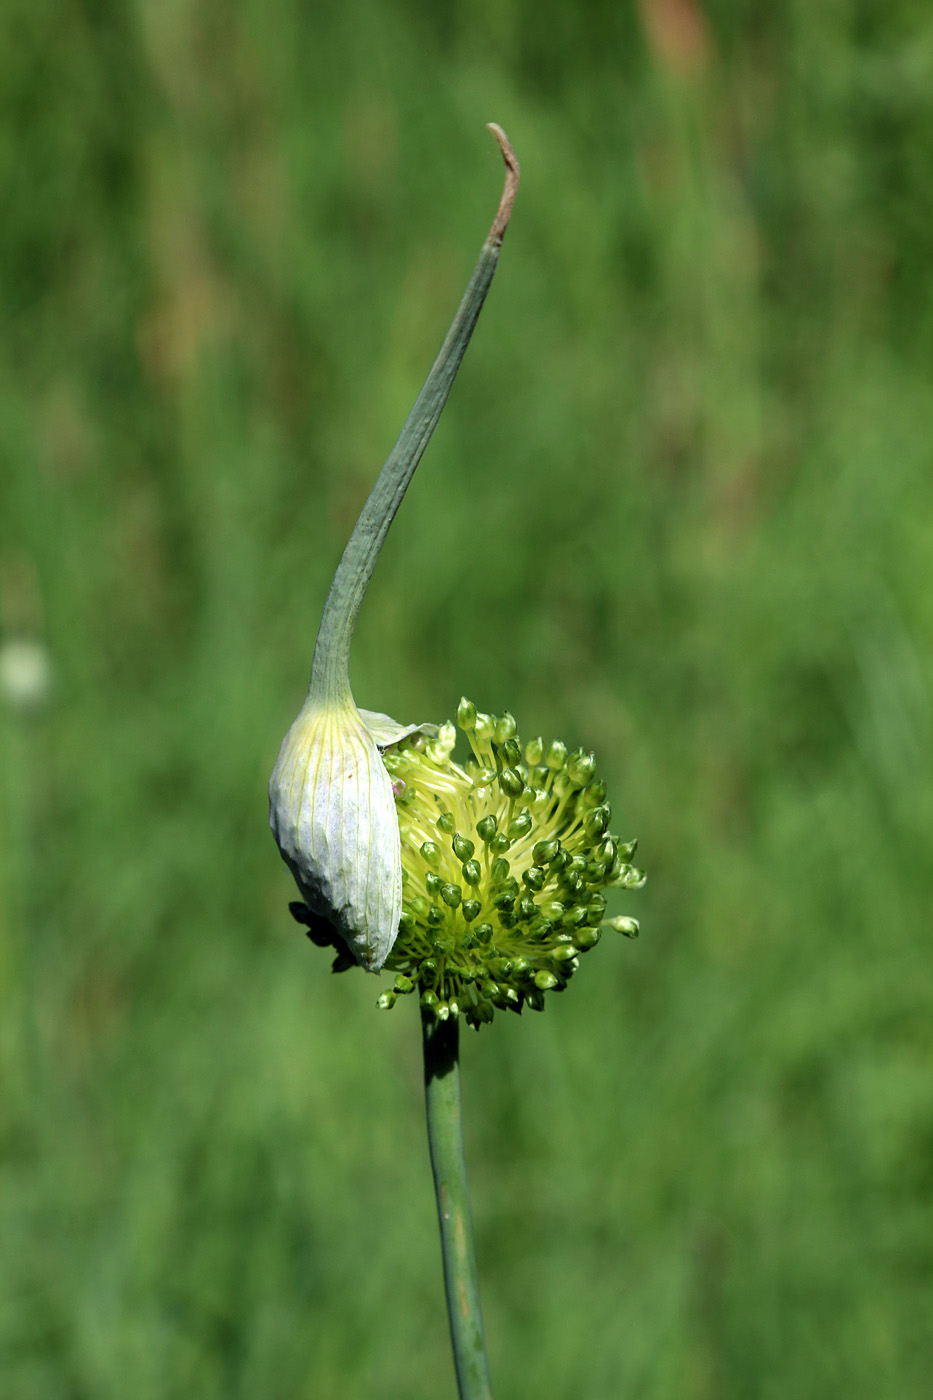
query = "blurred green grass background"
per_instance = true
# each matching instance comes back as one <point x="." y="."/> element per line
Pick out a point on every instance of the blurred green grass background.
<point x="679" y="510"/>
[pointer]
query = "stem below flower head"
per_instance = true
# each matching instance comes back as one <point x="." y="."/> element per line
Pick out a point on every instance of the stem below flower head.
<point x="445" y="1138"/>
<point x="329" y="671"/>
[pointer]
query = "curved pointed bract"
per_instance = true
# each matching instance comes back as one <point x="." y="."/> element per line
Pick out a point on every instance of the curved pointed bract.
<point x="331" y="805"/>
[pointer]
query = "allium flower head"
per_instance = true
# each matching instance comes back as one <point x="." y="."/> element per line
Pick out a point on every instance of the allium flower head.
<point x="505" y="858"/>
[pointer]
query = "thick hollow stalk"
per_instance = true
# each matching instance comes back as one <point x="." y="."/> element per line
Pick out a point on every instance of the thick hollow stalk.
<point x="331" y="654"/>
<point x="445" y="1138"/>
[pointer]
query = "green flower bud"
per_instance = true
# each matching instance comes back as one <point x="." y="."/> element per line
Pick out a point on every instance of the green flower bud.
<point x="512" y="782"/>
<point x="625" y="925"/>
<point x="534" y="752"/>
<point x="595" y="794"/>
<point x="486" y="828"/>
<point x="506" y="728"/>
<point x="556" y="756"/>
<point x="442" y="746"/>
<point x="596" y="823"/>
<point x="466" y="715"/>
<point x="484" y="727"/>
<point x="463" y="848"/>
<point x="512" y="752"/>
<point x="580" y="767"/>
<point x="632" y="878"/>
<point x="472" y="872"/>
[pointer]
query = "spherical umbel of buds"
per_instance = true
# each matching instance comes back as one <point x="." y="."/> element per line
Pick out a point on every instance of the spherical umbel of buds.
<point x="499" y="902"/>
<point x="331" y="801"/>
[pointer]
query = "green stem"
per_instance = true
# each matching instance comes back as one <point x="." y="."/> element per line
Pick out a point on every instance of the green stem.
<point x="445" y="1137"/>
<point x="329" y="670"/>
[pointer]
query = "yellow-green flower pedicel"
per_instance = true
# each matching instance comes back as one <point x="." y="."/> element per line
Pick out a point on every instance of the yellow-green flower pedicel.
<point x="478" y="883"/>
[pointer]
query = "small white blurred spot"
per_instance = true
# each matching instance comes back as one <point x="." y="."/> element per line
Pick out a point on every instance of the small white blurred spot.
<point x="25" y="673"/>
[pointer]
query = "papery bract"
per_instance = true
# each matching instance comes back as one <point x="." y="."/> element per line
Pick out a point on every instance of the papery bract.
<point x="331" y="803"/>
<point x="333" y="815"/>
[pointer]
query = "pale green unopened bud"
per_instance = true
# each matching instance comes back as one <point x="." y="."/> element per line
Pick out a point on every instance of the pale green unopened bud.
<point x="506" y="728"/>
<point x="466" y="714"/>
<point x="483" y="726"/>
<point x="534" y="751"/>
<point x="580" y="767"/>
<point x="556" y="756"/>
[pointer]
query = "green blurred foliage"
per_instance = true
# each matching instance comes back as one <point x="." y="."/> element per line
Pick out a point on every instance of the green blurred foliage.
<point x="680" y="510"/>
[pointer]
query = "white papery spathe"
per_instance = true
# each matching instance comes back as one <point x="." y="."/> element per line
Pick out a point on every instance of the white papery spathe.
<point x="332" y="812"/>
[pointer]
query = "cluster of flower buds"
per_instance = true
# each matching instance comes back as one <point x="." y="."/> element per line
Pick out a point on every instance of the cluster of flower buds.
<point x="504" y="863"/>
